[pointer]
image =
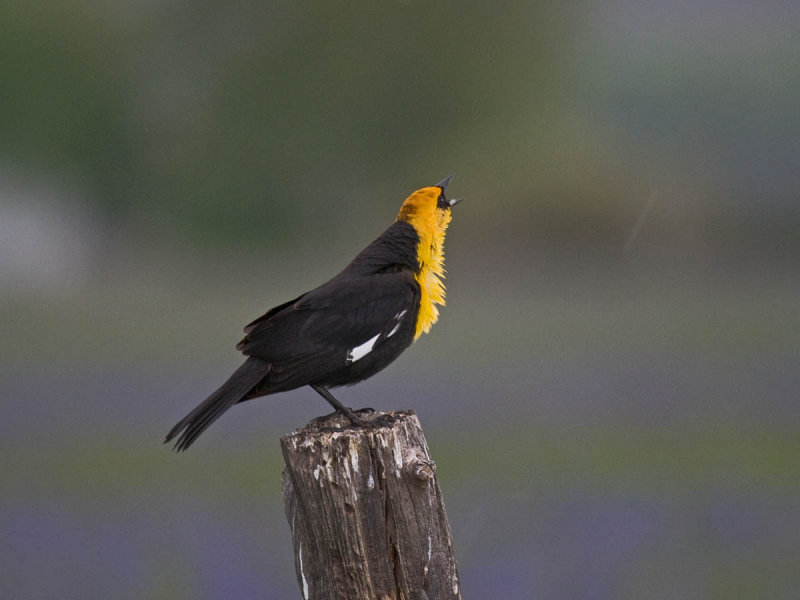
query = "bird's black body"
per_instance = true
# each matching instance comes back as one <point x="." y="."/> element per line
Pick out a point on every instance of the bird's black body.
<point x="339" y="333"/>
<point x="313" y="333"/>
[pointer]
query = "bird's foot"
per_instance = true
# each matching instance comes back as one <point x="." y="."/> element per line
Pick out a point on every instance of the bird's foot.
<point x="355" y="419"/>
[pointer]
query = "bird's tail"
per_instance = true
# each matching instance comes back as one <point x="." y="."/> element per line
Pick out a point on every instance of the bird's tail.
<point x="209" y="410"/>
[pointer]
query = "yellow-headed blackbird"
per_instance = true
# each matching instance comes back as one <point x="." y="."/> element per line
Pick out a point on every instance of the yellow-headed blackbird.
<point x="350" y="327"/>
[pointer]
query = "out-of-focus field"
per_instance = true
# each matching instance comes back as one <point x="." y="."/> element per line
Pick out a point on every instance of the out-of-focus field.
<point x="611" y="394"/>
<point x="622" y="431"/>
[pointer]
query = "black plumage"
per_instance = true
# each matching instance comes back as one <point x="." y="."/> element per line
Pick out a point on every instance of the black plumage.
<point x="343" y="331"/>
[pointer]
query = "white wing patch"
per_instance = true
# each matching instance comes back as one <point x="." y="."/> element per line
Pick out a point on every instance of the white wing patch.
<point x="362" y="350"/>
<point x="397" y="319"/>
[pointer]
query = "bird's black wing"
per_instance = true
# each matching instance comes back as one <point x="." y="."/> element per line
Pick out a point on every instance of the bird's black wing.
<point x="310" y="337"/>
<point x="268" y="315"/>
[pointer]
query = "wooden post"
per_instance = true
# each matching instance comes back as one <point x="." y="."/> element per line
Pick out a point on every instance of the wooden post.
<point x="366" y="512"/>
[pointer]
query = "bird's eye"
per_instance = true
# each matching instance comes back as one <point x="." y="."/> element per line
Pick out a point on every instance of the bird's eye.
<point x="442" y="203"/>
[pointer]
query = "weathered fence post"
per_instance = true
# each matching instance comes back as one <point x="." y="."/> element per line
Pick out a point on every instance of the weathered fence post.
<point x="366" y="511"/>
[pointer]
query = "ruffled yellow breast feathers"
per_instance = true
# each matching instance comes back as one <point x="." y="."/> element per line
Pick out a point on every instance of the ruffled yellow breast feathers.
<point x="422" y="211"/>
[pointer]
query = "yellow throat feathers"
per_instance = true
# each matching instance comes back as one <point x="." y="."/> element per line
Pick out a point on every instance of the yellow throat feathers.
<point x="421" y="211"/>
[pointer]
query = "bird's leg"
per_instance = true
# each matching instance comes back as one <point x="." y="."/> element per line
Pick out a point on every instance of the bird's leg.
<point x="325" y="393"/>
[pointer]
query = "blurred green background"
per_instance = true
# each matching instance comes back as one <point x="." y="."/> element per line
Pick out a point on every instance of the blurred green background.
<point x="611" y="394"/>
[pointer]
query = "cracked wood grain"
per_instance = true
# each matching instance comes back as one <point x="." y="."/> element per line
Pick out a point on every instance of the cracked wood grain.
<point x="366" y="512"/>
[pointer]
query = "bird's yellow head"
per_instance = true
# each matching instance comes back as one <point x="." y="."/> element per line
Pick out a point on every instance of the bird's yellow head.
<point x="428" y="212"/>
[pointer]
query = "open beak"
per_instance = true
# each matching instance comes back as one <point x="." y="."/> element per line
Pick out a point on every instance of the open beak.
<point x="445" y="182"/>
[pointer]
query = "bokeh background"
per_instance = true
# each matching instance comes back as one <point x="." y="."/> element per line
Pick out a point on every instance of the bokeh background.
<point x="611" y="394"/>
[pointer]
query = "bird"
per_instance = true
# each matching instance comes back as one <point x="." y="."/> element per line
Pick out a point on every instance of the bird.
<point x="350" y="327"/>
